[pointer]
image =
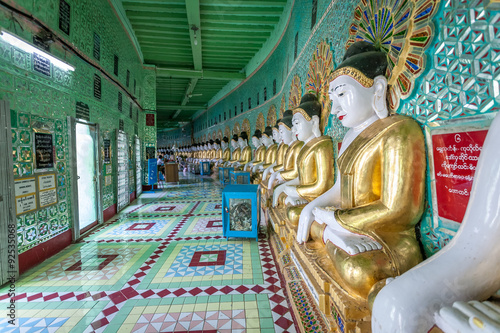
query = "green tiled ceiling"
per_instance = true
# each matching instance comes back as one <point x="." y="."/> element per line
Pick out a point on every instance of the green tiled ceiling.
<point x="229" y="33"/>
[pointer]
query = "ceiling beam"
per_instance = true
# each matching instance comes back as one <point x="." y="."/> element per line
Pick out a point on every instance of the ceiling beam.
<point x="187" y="95"/>
<point x="193" y="16"/>
<point x="160" y="107"/>
<point x="201" y="74"/>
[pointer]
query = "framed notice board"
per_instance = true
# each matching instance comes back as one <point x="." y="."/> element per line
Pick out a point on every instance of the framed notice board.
<point x="43" y="147"/>
<point x="454" y="148"/>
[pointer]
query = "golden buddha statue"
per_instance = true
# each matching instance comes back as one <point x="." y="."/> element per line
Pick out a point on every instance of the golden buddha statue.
<point x="218" y="151"/>
<point x="268" y="138"/>
<point x="226" y="152"/>
<point x="260" y="151"/>
<point x="366" y="221"/>
<point x="285" y="138"/>
<point x="211" y="150"/>
<point x="236" y="154"/>
<point x="246" y="151"/>
<point x="314" y="165"/>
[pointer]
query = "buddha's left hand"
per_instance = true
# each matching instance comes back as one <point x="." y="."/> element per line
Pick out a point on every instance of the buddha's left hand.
<point x="350" y="242"/>
<point x="291" y="191"/>
<point x="326" y="216"/>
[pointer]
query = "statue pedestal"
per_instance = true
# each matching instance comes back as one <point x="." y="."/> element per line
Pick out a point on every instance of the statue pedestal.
<point x="339" y="311"/>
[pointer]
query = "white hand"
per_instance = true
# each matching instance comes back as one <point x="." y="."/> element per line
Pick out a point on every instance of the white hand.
<point x="326" y="215"/>
<point x="271" y="180"/>
<point x="473" y="316"/>
<point x="305" y="221"/>
<point x="291" y="191"/>
<point x="277" y="193"/>
<point x="350" y="242"/>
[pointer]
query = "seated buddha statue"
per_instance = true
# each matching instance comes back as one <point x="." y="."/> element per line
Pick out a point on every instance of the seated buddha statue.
<point x="226" y="152"/>
<point x="286" y="137"/>
<point x="289" y="170"/>
<point x="270" y="149"/>
<point x="259" y="150"/>
<point x="246" y="152"/>
<point x="218" y="151"/>
<point x="212" y="151"/>
<point x="272" y="159"/>
<point x="314" y="162"/>
<point x="366" y="221"/>
<point x="236" y="154"/>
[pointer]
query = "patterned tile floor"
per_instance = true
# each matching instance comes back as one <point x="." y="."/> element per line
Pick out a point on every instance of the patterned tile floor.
<point x="161" y="265"/>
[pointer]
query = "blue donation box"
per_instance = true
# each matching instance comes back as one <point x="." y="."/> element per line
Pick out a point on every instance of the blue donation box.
<point x="224" y="174"/>
<point x="152" y="171"/>
<point x="205" y="168"/>
<point x="240" y="211"/>
<point x="240" y="177"/>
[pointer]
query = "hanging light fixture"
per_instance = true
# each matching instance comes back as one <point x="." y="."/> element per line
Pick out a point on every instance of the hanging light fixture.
<point x="195" y="28"/>
<point x="25" y="46"/>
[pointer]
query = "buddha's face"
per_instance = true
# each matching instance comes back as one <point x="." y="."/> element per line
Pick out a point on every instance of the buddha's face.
<point x="302" y="128"/>
<point x="234" y="144"/>
<point x="351" y="102"/>
<point x="255" y="141"/>
<point x="285" y="134"/>
<point x="216" y="146"/>
<point x="266" y="140"/>
<point x="276" y="135"/>
<point x="224" y="144"/>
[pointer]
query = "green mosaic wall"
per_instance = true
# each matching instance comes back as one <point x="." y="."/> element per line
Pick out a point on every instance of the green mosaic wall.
<point x="49" y="100"/>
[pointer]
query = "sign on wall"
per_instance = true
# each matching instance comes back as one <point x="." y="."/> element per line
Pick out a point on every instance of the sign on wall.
<point x="41" y="64"/>
<point x="454" y="147"/>
<point x="44" y="150"/>
<point x="64" y="16"/>
<point x="150" y="119"/>
<point x="107" y="150"/>
<point x="25" y="194"/>
<point x="455" y="159"/>
<point x="47" y="190"/>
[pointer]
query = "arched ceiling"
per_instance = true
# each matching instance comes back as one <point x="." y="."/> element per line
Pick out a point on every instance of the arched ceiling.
<point x="198" y="46"/>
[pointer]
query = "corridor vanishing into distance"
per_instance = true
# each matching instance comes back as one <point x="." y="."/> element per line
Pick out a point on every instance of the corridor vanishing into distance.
<point x="160" y="265"/>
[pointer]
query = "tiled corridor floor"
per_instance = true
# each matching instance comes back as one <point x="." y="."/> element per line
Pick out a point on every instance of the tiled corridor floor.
<point x="161" y="265"/>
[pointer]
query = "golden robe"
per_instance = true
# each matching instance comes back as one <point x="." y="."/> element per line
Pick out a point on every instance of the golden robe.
<point x="382" y="175"/>
<point x="236" y="155"/>
<point x="246" y="156"/>
<point x="270" y="155"/>
<point x="289" y="164"/>
<point x="259" y="155"/>
<point x="226" y="155"/>
<point x="280" y="156"/>
<point x="315" y="169"/>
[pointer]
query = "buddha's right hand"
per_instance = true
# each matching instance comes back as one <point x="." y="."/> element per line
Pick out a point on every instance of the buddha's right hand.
<point x="280" y="189"/>
<point x="305" y="221"/>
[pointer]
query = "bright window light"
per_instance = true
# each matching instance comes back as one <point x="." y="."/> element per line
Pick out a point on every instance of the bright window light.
<point x="21" y="44"/>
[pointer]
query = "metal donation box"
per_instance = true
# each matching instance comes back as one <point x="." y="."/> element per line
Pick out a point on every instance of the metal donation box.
<point x="240" y="177"/>
<point x="224" y="174"/>
<point x="205" y="168"/>
<point x="240" y="211"/>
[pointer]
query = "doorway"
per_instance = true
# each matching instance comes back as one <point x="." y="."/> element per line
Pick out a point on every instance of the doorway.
<point x="86" y="168"/>
<point x="123" y="176"/>
<point x="138" y="167"/>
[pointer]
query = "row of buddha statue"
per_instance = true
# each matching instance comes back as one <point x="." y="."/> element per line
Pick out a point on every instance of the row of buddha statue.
<point x="354" y="217"/>
<point x="359" y="217"/>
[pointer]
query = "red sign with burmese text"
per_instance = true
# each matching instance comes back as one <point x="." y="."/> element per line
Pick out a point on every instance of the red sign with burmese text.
<point x="455" y="160"/>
